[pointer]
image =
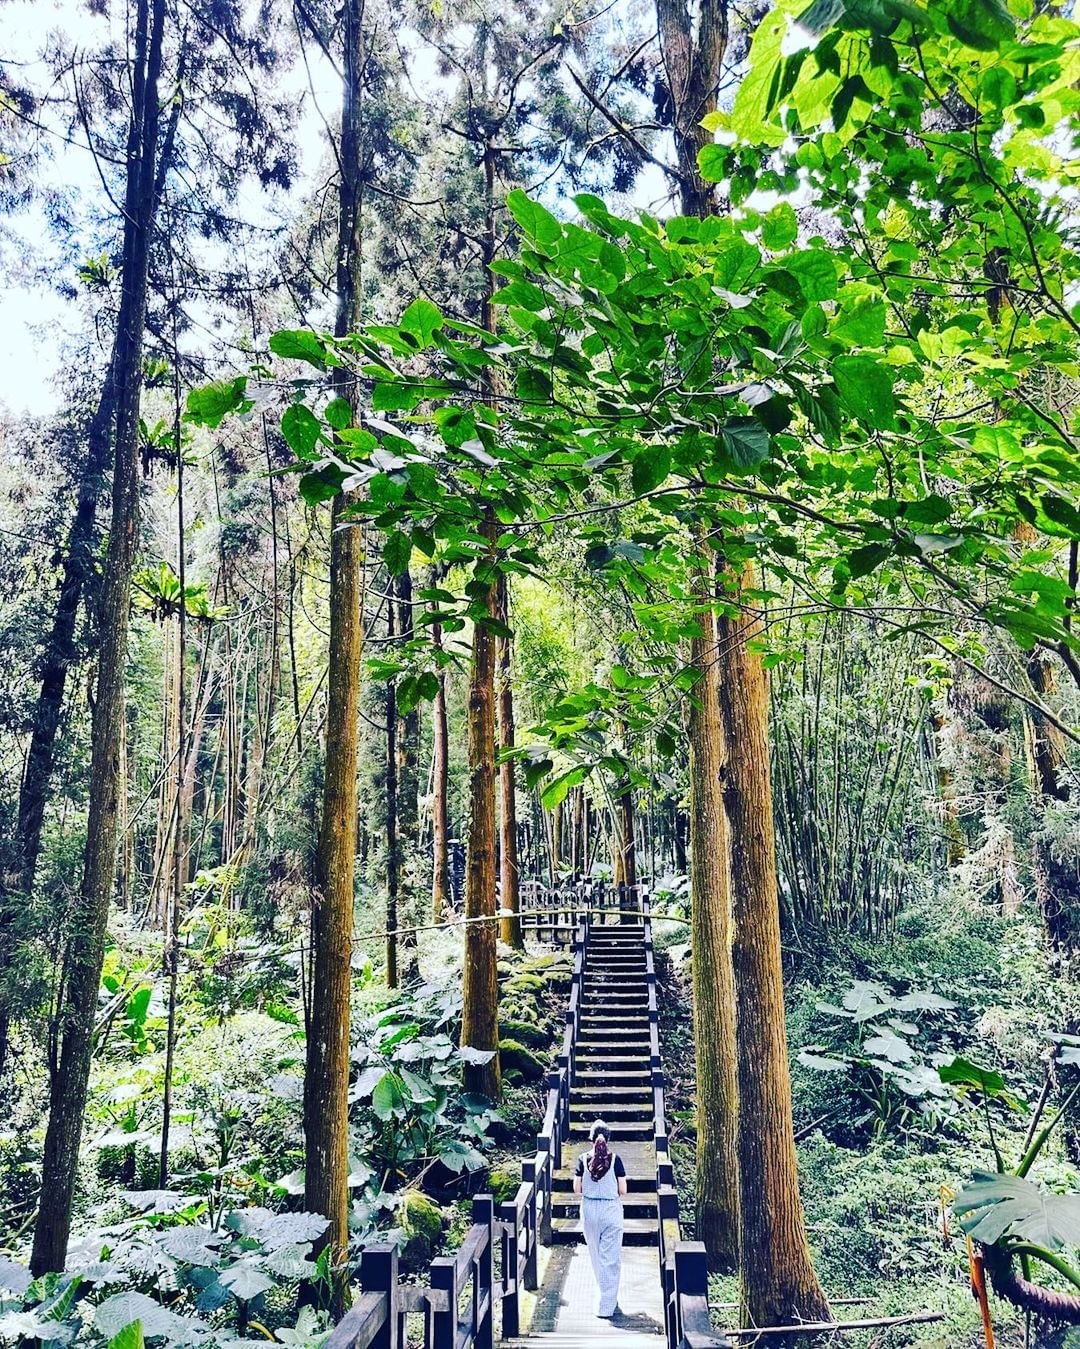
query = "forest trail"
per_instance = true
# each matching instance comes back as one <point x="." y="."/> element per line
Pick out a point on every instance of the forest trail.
<point x="611" y="1080"/>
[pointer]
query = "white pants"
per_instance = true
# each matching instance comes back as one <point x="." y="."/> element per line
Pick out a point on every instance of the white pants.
<point x="603" y="1235"/>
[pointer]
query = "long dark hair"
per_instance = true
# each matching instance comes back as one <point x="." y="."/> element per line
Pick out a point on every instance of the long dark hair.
<point x="601" y="1157"/>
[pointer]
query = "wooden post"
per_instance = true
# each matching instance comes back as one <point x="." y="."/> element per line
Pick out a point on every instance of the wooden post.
<point x="691" y="1277"/>
<point x="483" y="1214"/>
<point x="444" y="1323"/>
<point x="379" y="1274"/>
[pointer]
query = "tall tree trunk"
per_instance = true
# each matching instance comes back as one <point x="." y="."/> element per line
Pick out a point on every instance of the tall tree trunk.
<point x="326" y="1080"/>
<point x="716" y="1192"/>
<point x="408" y="785"/>
<point x="171" y="961"/>
<point x="440" y="786"/>
<point x="778" y="1279"/>
<point x="509" y="870"/>
<point x="480" y="1012"/>
<point x="69" y="1068"/>
<point x="390" y="792"/>
<point x="777" y="1276"/>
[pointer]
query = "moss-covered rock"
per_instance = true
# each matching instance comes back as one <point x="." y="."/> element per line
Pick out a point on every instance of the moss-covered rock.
<point x="535" y="1037"/>
<point x="503" y="1182"/>
<point x="524" y="983"/>
<point x="516" y="1059"/>
<point x="421" y="1220"/>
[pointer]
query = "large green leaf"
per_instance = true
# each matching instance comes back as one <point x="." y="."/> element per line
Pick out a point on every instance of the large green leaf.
<point x="244" y="1281"/>
<point x="388" y="1099"/>
<point x="421" y="321"/>
<point x="865" y="389"/>
<point x="991" y="1206"/>
<point x="537" y="222"/>
<point x="210" y="404"/>
<point x="982" y="24"/>
<point x="131" y="1337"/>
<point x="746" y="441"/>
<point x="301" y="428"/>
<point x="299" y="345"/>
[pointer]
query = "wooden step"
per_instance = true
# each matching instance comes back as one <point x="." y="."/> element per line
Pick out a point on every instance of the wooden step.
<point x="588" y="1079"/>
<point x="636" y="1232"/>
<point x="612" y="1338"/>
<point x="622" y="1131"/>
<point x="616" y="1093"/>
<point x="619" y="1056"/>
<point x="569" y="1206"/>
<point x="623" y="1046"/>
<point x="583" y="1113"/>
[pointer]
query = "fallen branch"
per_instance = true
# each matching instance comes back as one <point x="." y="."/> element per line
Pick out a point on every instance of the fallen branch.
<point x="835" y="1327"/>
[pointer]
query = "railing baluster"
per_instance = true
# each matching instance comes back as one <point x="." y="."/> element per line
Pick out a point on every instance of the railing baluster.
<point x="483" y="1215"/>
<point x="510" y="1282"/>
<point x="530" y="1269"/>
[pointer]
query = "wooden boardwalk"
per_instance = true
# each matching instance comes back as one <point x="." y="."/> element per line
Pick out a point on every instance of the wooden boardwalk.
<point x="611" y="1081"/>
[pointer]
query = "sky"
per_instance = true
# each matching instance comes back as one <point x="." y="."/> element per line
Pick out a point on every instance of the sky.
<point x="34" y="318"/>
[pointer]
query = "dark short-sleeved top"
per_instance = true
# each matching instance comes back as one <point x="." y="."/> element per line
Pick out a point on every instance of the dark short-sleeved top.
<point x="616" y="1165"/>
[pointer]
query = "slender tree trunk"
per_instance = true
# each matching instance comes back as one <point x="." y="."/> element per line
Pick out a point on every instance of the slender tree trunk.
<point x="390" y="791"/>
<point x="946" y="794"/>
<point x="408" y="784"/>
<point x="509" y="869"/>
<point x="716" y="1193"/>
<point x="778" y="1281"/>
<point x="628" y="849"/>
<point x="480" y="1012"/>
<point x="81" y="976"/>
<point x="171" y="961"/>
<point x="326" y="1081"/>
<point x="60" y="649"/>
<point x="440" y="784"/>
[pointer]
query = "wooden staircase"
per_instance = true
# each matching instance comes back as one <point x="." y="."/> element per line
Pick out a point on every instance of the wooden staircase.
<point x="611" y="1079"/>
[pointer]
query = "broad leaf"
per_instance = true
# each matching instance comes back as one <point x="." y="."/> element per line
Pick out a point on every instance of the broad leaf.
<point x="991" y="1206"/>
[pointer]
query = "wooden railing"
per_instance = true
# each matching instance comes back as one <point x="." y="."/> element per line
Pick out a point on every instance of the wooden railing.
<point x="459" y="1301"/>
<point x="683" y="1267"/>
<point x="458" y="1304"/>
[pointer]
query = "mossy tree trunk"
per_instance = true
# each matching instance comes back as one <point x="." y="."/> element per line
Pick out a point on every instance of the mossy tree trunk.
<point x="440" y="785"/>
<point x="716" y="1181"/>
<point x="326" y="1080"/>
<point x="509" y="869"/>
<point x="777" y="1276"/>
